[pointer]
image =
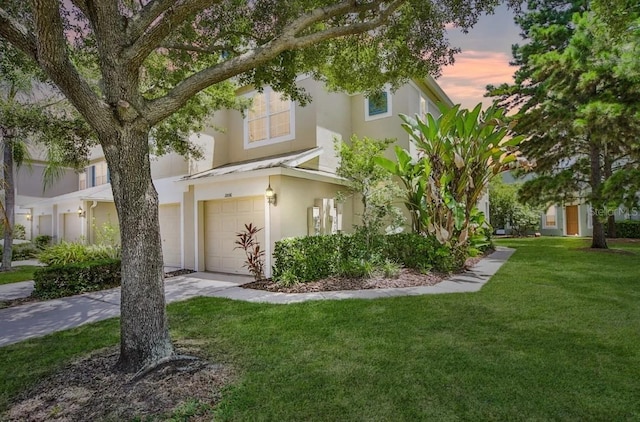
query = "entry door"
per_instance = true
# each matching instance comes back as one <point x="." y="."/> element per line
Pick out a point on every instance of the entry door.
<point x="571" y="213"/>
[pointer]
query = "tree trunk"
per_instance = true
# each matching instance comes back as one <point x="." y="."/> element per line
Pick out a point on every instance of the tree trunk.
<point x="9" y="199"/>
<point x="598" y="240"/>
<point x="611" y="220"/>
<point x="143" y="325"/>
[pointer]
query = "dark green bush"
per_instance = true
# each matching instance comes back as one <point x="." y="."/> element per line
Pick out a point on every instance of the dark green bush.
<point x="68" y="280"/>
<point x="314" y="257"/>
<point x="628" y="229"/>
<point x="42" y="241"/>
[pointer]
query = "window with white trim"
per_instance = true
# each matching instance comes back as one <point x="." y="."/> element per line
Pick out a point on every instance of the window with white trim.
<point x="270" y="119"/>
<point x="378" y="105"/>
<point x="550" y="218"/>
<point x="82" y="180"/>
<point x="589" y="217"/>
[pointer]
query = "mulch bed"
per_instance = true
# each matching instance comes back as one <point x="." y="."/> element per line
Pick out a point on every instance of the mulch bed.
<point x="407" y="278"/>
<point x="89" y="389"/>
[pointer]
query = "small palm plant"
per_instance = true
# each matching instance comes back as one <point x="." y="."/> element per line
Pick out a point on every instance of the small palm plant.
<point x="248" y="242"/>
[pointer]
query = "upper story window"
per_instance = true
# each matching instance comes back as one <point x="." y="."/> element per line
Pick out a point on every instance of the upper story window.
<point x="270" y="120"/>
<point x="549" y="218"/>
<point x="378" y="105"/>
<point x="94" y="175"/>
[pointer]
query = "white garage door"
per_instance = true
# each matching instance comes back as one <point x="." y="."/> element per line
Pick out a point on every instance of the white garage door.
<point x="44" y="225"/>
<point x="170" y="234"/>
<point x="72" y="227"/>
<point x="223" y="220"/>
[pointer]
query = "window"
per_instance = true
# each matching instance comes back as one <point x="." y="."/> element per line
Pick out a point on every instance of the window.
<point x="270" y="120"/>
<point x="101" y="174"/>
<point x="82" y="180"/>
<point x="378" y="105"/>
<point x="589" y="217"/>
<point x="550" y="218"/>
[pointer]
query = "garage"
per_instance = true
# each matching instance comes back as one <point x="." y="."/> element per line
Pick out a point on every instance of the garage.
<point x="72" y="230"/>
<point x="170" y="234"/>
<point x="222" y="220"/>
<point x="45" y="225"/>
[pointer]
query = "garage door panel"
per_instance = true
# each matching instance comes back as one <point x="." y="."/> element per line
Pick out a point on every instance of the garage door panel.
<point x="170" y="234"/>
<point x="223" y="220"/>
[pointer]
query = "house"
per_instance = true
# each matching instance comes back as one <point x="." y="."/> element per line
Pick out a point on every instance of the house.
<point x="274" y="167"/>
<point x="572" y="218"/>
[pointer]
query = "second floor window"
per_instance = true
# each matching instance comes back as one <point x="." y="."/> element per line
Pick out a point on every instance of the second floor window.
<point x="549" y="218"/>
<point x="94" y="175"/>
<point x="269" y="120"/>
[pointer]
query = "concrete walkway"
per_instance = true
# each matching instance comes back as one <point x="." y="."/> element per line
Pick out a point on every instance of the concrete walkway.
<point x="38" y="319"/>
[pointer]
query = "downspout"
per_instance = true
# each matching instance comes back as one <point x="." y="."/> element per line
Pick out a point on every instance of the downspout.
<point x="89" y="221"/>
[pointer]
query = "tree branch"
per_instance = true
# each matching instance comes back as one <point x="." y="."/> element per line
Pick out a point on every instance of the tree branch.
<point x="152" y="36"/>
<point x="147" y="15"/>
<point x="161" y="108"/>
<point x="17" y="34"/>
<point x="53" y="58"/>
<point x="194" y="48"/>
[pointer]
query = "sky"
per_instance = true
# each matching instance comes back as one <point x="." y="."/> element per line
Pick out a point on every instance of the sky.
<point x="485" y="56"/>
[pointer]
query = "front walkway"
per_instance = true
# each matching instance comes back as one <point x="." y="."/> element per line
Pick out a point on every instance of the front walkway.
<point x="38" y="319"/>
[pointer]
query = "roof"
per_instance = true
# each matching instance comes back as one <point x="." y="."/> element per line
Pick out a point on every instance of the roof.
<point x="290" y="160"/>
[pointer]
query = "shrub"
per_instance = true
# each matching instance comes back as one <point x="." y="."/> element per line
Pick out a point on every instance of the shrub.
<point x="390" y="269"/>
<point x="68" y="253"/>
<point x="42" y="241"/>
<point x="19" y="232"/>
<point x="24" y="251"/>
<point x="247" y="240"/>
<point x="628" y="229"/>
<point x="314" y="257"/>
<point x="64" y="253"/>
<point x="68" y="280"/>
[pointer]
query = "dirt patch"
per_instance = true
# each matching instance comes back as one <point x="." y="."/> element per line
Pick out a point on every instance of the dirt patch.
<point x="90" y="389"/>
<point x="406" y="278"/>
<point x="177" y="273"/>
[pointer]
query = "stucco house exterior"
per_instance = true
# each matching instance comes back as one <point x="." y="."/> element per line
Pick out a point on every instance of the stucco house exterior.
<point x="277" y="146"/>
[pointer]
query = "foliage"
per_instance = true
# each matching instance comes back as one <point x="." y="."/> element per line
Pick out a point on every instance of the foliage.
<point x="24" y="251"/>
<point x="577" y="97"/>
<point x="375" y="186"/>
<point x="312" y="258"/>
<point x="75" y="278"/>
<point x="42" y="241"/>
<point x="390" y="269"/>
<point x="507" y="211"/>
<point x="247" y="240"/>
<point x="131" y="67"/>
<point x="629" y="229"/>
<point x="459" y="153"/>
<point x="106" y="234"/>
<point x="65" y="253"/>
<point x="19" y="231"/>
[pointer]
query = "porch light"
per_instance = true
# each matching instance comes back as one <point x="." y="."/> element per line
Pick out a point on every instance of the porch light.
<point x="81" y="213"/>
<point x="270" y="195"/>
<point x="29" y="216"/>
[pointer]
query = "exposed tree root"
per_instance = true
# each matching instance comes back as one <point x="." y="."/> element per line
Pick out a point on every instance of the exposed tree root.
<point x="173" y="361"/>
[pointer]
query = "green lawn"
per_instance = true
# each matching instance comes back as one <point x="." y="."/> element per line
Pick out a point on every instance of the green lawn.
<point x="16" y="274"/>
<point x="555" y="335"/>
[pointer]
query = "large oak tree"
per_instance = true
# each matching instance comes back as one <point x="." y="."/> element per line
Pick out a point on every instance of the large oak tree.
<point x="156" y="57"/>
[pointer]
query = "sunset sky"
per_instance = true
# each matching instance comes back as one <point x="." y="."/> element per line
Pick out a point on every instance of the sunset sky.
<point x="485" y="56"/>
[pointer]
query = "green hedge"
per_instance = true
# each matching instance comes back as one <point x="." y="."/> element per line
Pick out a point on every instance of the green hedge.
<point x="68" y="280"/>
<point x="314" y="257"/>
<point x="628" y="229"/>
<point x="22" y="251"/>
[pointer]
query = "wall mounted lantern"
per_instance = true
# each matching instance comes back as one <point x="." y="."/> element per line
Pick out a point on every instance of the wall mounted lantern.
<point x="29" y="216"/>
<point x="81" y="213"/>
<point x="270" y="195"/>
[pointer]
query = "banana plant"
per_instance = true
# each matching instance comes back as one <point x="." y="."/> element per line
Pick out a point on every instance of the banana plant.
<point x="459" y="153"/>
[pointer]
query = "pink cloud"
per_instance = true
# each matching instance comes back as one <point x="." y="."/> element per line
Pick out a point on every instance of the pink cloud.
<point x="466" y="80"/>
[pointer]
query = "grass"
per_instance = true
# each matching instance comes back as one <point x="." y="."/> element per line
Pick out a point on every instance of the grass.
<point x="17" y="274"/>
<point x="555" y="335"/>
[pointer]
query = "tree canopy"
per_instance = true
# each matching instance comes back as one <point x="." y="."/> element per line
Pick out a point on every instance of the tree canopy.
<point x="576" y="100"/>
<point x="129" y="66"/>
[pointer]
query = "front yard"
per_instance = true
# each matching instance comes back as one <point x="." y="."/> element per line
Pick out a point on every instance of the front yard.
<point x="554" y="335"/>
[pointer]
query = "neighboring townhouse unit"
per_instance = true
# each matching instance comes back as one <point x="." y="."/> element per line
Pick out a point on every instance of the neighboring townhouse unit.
<point x="573" y="218"/>
<point x="274" y="167"/>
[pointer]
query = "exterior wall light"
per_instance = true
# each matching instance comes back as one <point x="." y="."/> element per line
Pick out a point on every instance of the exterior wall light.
<point x="81" y="213"/>
<point x="29" y="216"/>
<point x="270" y="195"/>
